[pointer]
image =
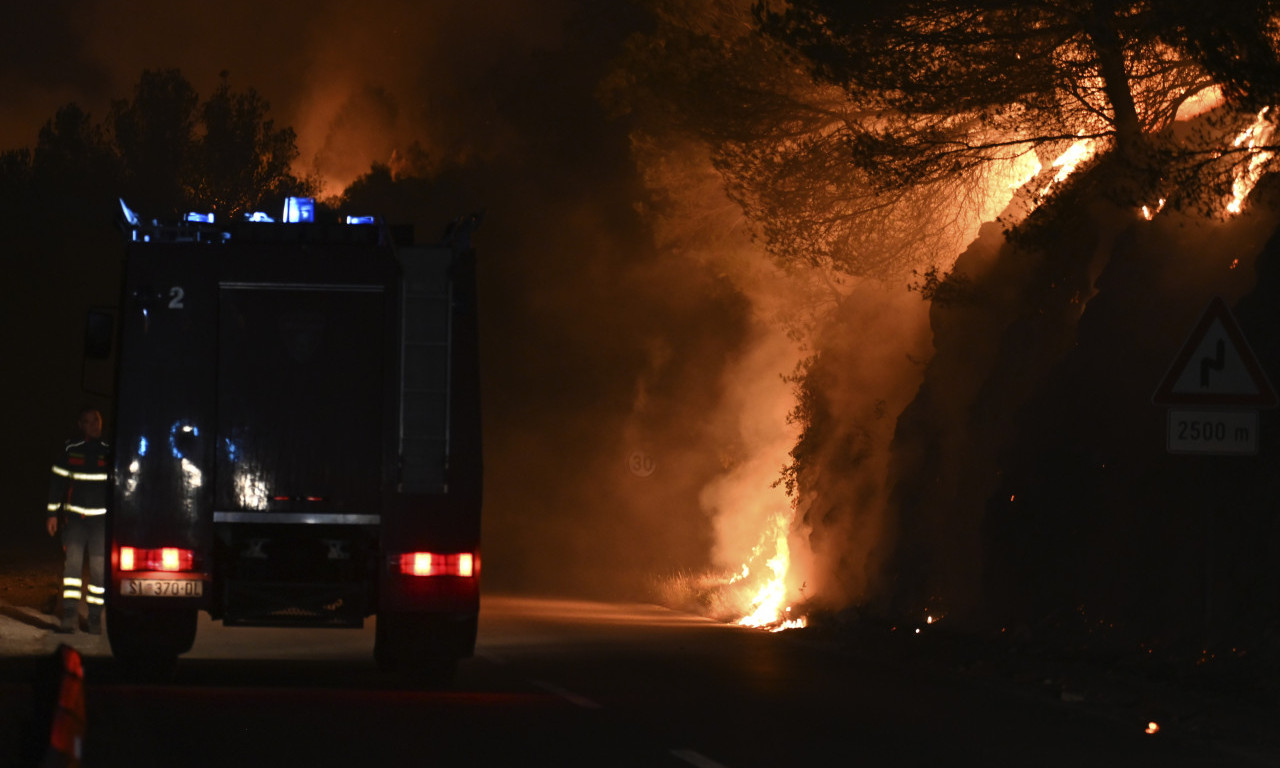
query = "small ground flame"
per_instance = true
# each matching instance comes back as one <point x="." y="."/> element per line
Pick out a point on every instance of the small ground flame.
<point x="769" y="608"/>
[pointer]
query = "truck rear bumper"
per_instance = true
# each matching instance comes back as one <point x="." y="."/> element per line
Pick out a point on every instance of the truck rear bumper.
<point x="401" y="593"/>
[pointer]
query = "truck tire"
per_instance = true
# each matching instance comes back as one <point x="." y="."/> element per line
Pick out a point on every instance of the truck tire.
<point x="150" y="642"/>
<point x="403" y="644"/>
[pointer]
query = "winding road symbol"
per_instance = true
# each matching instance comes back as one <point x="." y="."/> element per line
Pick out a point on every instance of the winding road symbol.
<point x="1217" y="363"/>
<point x="1216" y="366"/>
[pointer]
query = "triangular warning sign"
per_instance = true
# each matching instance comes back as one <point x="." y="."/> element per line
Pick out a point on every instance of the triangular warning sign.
<point x="1216" y="366"/>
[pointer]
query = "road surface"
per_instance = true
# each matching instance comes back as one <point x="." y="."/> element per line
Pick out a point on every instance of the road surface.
<point x="566" y="683"/>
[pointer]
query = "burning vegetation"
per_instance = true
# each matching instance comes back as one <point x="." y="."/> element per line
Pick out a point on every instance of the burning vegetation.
<point x="1065" y="184"/>
<point x="863" y="145"/>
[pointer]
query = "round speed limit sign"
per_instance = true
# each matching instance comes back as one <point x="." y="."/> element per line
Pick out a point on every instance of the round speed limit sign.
<point x="641" y="464"/>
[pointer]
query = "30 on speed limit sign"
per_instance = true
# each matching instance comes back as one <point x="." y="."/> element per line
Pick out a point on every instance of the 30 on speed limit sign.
<point x="641" y="464"/>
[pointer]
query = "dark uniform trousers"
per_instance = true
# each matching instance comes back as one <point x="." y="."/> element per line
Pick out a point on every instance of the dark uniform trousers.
<point x="78" y="489"/>
<point x="81" y="534"/>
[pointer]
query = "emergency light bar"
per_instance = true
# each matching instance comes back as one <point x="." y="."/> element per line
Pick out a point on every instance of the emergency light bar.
<point x="198" y="227"/>
<point x="299" y="209"/>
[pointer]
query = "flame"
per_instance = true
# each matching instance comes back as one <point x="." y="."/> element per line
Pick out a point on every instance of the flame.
<point x="1080" y="152"/>
<point x="1153" y="727"/>
<point x="1247" y="177"/>
<point x="769" y="608"/>
<point x="1149" y="213"/>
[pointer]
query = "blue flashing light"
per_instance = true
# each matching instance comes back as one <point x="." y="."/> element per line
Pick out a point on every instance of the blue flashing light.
<point x="258" y="216"/>
<point x="299" y="209"/>
<point x="200" y="218"/>
<point x="142" y="446"/>
<point x="180" y="428"/>
<point x="129" y="215"/>
<point x="360" y="220"/>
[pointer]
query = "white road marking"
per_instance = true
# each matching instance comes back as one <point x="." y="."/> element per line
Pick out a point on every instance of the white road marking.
<point x="569" y="696"/>
<point x="696" y="759"/>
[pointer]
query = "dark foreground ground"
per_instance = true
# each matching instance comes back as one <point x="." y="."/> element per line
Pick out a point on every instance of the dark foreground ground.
<point x="1228" y="700"/>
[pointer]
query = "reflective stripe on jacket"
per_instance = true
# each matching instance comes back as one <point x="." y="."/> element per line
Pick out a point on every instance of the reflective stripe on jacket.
<point x="80" y="478"/>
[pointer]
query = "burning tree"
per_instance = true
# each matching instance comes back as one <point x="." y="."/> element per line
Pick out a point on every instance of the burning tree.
<point x="871" y="139"/>
<point x="867" y="141"/>
<point x="778" y="138"/>
<point x="948" y="88"/>
<point x="1173" y="102"/>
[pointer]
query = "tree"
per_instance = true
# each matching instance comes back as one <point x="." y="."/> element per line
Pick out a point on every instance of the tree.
<point x="73" y="165"/>
<point x="780" y="139"/>
<point x="872" y="138"/>
<point x="949" y="86"/>
<point x="154" y="135"/>
<point x="242" y="161"/>
<point x="224" y="154"/>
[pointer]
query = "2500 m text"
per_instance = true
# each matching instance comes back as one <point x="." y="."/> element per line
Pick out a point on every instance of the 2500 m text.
<point x="1211" y="431"/>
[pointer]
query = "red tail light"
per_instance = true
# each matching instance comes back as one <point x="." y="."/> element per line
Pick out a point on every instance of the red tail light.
<point x="436" y="564"/>
<point x="157" y="559"/>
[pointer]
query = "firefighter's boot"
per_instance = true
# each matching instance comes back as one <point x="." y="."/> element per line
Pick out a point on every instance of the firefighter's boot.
<point x="95" y="619"/>
<point x="70" y="615"/>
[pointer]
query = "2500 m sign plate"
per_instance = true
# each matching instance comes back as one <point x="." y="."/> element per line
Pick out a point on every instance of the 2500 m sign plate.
<point x="161" y="587"/>
<point x="1213" y="432"/>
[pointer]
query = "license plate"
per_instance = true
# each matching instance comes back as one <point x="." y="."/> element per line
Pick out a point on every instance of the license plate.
<point x="162" y="587"/>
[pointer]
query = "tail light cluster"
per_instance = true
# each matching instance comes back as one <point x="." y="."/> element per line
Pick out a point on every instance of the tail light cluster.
<point x="157" y="559"/>
<point x="465" y="564"/>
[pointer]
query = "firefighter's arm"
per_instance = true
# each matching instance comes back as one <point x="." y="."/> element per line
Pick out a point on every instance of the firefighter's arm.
<point x="59" y="477"/>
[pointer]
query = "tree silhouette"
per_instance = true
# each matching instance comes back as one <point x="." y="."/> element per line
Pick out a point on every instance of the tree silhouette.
<point x="162" y="150"/>
<point x="154" y="136"/>
<point x="870" y="139"/>
<point x="948" y="86"/>
<point x="241" y="161"/>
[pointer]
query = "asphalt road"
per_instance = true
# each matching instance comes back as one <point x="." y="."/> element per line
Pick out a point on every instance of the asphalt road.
<point x="568" y="683"/>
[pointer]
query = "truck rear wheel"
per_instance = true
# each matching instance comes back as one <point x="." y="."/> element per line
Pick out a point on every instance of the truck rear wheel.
<point x="406" y="644"/>
<point x="150" y="641"/>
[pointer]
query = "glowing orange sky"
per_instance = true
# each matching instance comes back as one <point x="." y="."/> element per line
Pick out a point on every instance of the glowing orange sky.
<point x="311" y="61"/>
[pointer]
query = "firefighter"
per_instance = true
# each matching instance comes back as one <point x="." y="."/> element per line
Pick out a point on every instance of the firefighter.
<point x="78" y="490"/>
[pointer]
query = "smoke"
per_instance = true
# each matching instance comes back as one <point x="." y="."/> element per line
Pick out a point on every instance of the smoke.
<point x="757" y="437"/>
<point x="635" y="336"/>
<point x="872" y="360"/>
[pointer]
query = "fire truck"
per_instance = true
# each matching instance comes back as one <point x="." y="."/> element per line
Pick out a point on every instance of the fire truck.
<point x="297" y="434"/>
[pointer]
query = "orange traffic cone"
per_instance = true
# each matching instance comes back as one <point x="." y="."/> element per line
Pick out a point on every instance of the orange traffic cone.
<point x="66" y="738"/>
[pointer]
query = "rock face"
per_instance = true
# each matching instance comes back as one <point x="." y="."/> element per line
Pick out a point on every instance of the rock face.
<point x="1031" y="481"/>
